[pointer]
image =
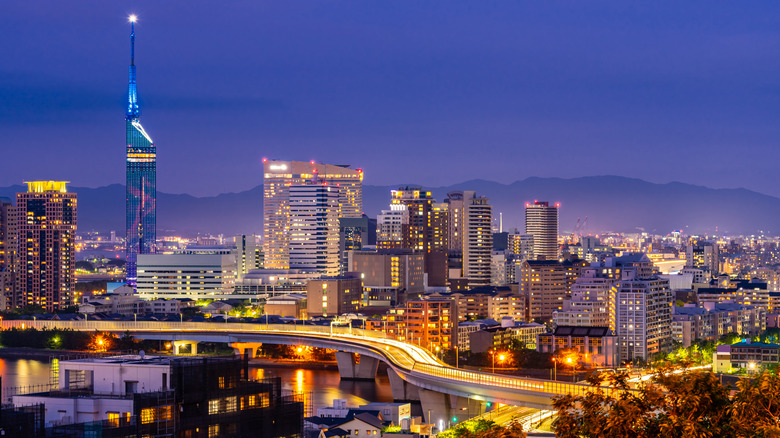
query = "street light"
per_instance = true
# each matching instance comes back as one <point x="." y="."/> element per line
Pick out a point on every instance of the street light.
<point x="555" y="369"/>
<point x="569" y="361"/>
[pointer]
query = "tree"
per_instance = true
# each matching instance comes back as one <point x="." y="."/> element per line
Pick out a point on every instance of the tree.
<point x="484" y="429"/>
<point x="755" y="409"/>
<point x="690" y="404"/>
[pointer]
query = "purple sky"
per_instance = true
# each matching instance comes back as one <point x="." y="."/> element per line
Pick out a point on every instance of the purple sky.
<point x="430" y="92"/>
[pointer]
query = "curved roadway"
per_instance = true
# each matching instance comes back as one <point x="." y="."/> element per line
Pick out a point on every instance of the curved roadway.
<point x="414" y="364"/>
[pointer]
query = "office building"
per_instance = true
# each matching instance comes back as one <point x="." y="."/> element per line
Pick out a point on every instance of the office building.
<point x="703" y="255"/>
<point x="141" y="207"/>
<point x="392" y="228"/>
<point x="354" y="233"/>
<point x="389" y="275"/>
<point x="278" y="177"/>
<point x="541" y="222"/>
<point x="334" y="296"/>
<point x="314" y="228"/>
<point x="196" y="276"/>
<point x="46" y="246"/>
<point x="643" y="315"/>
<point x="249" y="255"/>
<point x="470" y="232"/>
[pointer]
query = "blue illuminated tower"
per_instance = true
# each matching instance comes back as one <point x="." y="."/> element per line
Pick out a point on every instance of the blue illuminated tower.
<point x="141" y="177"/>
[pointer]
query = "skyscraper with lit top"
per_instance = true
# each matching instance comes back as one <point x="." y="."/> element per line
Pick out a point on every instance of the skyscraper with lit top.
<point x="141" y="177"/>
<point x="278" y="177"/>
<point x="46" y="243"/>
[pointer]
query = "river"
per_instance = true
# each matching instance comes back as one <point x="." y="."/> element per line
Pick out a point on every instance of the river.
<point x="324" y="386"/>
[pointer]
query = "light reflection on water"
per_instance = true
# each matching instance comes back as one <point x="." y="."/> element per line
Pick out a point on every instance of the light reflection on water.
<point x="326" y="386"/>
<point x="323" y="385"/>
<point x="23" y="372"/>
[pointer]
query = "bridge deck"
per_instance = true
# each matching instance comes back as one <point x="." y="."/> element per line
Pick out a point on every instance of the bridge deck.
<point x="413" y="363"/>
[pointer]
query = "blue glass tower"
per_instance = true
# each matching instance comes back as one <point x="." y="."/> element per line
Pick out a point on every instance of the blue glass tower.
<point x="141" y="178"/>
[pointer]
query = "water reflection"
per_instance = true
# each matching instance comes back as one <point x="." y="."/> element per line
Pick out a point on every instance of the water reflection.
<point x="324" y="386"/>
<point x="23" y="372"/>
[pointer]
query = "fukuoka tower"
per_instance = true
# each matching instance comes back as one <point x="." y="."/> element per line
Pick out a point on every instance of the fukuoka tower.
<point x="141" y="177"/>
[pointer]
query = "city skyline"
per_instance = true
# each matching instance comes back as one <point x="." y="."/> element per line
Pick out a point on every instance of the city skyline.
<point x="665" y="86"/>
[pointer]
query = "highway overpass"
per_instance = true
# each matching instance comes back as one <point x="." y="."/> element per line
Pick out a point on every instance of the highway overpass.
<point x="415" y="373"/>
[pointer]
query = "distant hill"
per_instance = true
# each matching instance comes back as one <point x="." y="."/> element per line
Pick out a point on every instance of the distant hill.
<point x="611" y="203"/>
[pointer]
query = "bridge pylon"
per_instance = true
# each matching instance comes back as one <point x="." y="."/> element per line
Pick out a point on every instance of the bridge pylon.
<point x="353" y="366"/>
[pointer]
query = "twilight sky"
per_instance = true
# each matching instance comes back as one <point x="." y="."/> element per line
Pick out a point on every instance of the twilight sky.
<point x="427" y="92"/>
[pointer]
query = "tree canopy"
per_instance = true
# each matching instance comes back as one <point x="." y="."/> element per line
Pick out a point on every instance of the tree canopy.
<point x="672" y="404"/>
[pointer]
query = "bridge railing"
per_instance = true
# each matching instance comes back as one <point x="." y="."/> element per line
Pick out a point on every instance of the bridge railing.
<point x="186" y="326"/>
<point x="501" y="381"/>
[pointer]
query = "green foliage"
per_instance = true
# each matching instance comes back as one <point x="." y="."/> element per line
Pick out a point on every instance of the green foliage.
<point x="484" y="429"/>
<point x="56" y="339"/>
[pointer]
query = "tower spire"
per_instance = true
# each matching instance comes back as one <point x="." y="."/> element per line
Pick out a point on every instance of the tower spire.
<point x="133" y="111"/>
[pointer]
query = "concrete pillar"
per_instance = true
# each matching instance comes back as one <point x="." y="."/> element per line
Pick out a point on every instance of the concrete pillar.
<point x="444" y="410"/>
<point x="350" y="370"/>
<point x="178" y="346"/>
<point x="240" y="348"/>
<point x="402" y="390"/>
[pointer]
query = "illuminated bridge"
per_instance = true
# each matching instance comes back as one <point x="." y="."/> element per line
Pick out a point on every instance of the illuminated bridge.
<point x="415" y="373"/>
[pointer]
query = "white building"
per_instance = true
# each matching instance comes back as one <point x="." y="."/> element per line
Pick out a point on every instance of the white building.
<point x="592" y="303"/>
<point x="278" y="178"/>
<point x="470" y="233"/>
<point x="194" y="276"/>
<point x="314" y="228"/>
<point x="390" y="225"/>
<point x="644" y="316"/>
<point x="106" y="386"/>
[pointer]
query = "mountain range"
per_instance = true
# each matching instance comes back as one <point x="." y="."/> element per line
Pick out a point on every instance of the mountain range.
<point x="610" y="203"/>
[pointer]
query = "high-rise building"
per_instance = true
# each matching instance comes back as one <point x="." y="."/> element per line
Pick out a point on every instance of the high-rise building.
<point x="477" y="239"/>
<point x="644" y="315"/>
<point x="393" y="228"/>
<point x="141" y="208"/>
<point x="545" y="284"/>
<point x="427" y="231"/>
<point x="46" y="239"/>
<point x="703" y="255"/>
<point x="592" y="302"/>
<point x="249" y="255"/>
<point x="387" y="273"/>
<point x="278" y="177"/>
<point x="470" y="235"/>
<point x="314" y="228"/>
<point x="541" y="221"/>
<point x="7" y="252"/>
<point x="354" y="233"/>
